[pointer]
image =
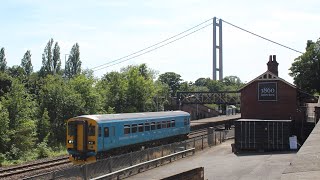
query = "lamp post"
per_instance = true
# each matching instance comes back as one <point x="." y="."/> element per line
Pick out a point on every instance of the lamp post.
<point x="65" y="60"/>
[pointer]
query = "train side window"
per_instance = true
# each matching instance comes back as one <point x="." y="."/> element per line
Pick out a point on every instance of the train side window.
<point x="168" y="124"/>
<point x="91" y="130"/>
<point x="185" y="121"/>
<point x="164" y="124"/>
<point x="153" y="126"/>
<point x="99" y="132"/>
<point x="126" y="129"/>
<point x="147" y="126"/>
<point x="158" y="125"/>
<point x="173" y="123"/>
<point x="134" y="128"/>
<point x="106" y="132"/>
<point x="140" y="127"/>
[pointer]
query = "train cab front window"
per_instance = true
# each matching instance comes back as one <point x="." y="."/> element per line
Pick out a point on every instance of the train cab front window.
<point x="91" y="130"/>
<point x="72" y="129"/>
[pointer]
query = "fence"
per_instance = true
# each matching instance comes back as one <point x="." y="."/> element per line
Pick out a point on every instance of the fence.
<point x="162" y="154"/>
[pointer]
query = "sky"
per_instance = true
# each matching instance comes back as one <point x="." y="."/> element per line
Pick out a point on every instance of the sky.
<point x="108" y="30"/>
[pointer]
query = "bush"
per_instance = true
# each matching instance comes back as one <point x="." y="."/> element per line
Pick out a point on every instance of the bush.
<point x="43" y="150"/>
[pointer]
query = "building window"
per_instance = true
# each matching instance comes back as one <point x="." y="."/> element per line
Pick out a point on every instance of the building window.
<point x="106" y="132"/>
<point x="126" y="129"/>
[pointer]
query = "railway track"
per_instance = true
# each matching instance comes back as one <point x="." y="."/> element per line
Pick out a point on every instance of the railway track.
<point x="12" y="171"/>
<point x="202" y="132"/>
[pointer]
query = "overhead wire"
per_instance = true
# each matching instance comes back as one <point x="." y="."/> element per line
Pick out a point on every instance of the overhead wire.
<point x="155" y="47"/>
<point x="127" y="56"/>
<point x="267" y="39"/>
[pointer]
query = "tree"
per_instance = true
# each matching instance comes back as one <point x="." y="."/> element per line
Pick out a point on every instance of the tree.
<point x="47" y="60"/>
<point x="56" y="59"/>
<point x="91" y="99"/>
<point x="21" y="110"/>
<point x="4" y="128"/>
<point x="26" y="63"/>
<point x="62" y="103"/>
<point x="3" y="62"/>
<point x="172" y="79"/>
<point x="113" y="87"/>
<point x="43" y="125"/>
<point x="73" y="65"/>
<point x="305" y="69"/>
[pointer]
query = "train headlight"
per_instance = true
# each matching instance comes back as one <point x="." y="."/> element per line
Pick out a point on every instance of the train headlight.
<point x="91" y="142"/>
<point x="70" y="141"/>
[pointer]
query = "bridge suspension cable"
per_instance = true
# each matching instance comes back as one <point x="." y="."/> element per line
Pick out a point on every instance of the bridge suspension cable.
<point x="154" y="46"/>
<point x="267" y="39"/>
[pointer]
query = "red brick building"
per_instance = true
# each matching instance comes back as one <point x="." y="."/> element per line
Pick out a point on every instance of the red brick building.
<point x="270" y="97"/>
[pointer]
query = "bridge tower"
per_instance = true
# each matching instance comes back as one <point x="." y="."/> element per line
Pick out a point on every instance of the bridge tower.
<point x="219" y="47"/>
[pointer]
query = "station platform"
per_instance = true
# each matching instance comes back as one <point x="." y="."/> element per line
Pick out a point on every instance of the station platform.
<point x="213" y="121"/>
<point x="306" y="163"/>
<point x="220" y="163"/>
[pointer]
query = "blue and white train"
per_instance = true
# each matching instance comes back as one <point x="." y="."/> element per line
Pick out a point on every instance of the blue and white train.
<point x="91" y="137"/>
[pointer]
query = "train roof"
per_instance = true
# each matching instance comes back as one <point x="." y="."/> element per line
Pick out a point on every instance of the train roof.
<point x="127" y="116"/>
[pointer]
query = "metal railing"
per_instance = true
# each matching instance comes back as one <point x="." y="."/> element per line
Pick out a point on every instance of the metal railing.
<point x="122" y="166"/>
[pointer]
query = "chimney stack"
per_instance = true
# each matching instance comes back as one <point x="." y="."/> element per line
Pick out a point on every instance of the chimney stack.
<point x="273" y="65"/>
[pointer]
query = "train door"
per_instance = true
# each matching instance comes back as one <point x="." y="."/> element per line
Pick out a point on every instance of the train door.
<point x="78" y="129"/>
<point x="108" y="137"/>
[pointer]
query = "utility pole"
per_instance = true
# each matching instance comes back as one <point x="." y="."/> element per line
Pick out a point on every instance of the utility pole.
<point x="215" y="47"/>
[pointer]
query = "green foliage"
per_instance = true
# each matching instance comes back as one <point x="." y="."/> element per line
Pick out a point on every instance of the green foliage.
<point x="47" y="61"/>
<point x="4" y="129"/>
<point x="43" y="125"/>
<point x="91" y="98"/>
<point x="21" y="112"/>
<point x="43" y="150"/>
<point x="3" y="62"/>
<point x="26" y="63"/>
<point x="5" y="83"/>
<point x="56" y="61"/>
<point x="172" y="79"/>
<point x="73" y="65"/>
<point x="62" y="103"/>
<point x="17" y="72"/>
<point x="305" y="69"/>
